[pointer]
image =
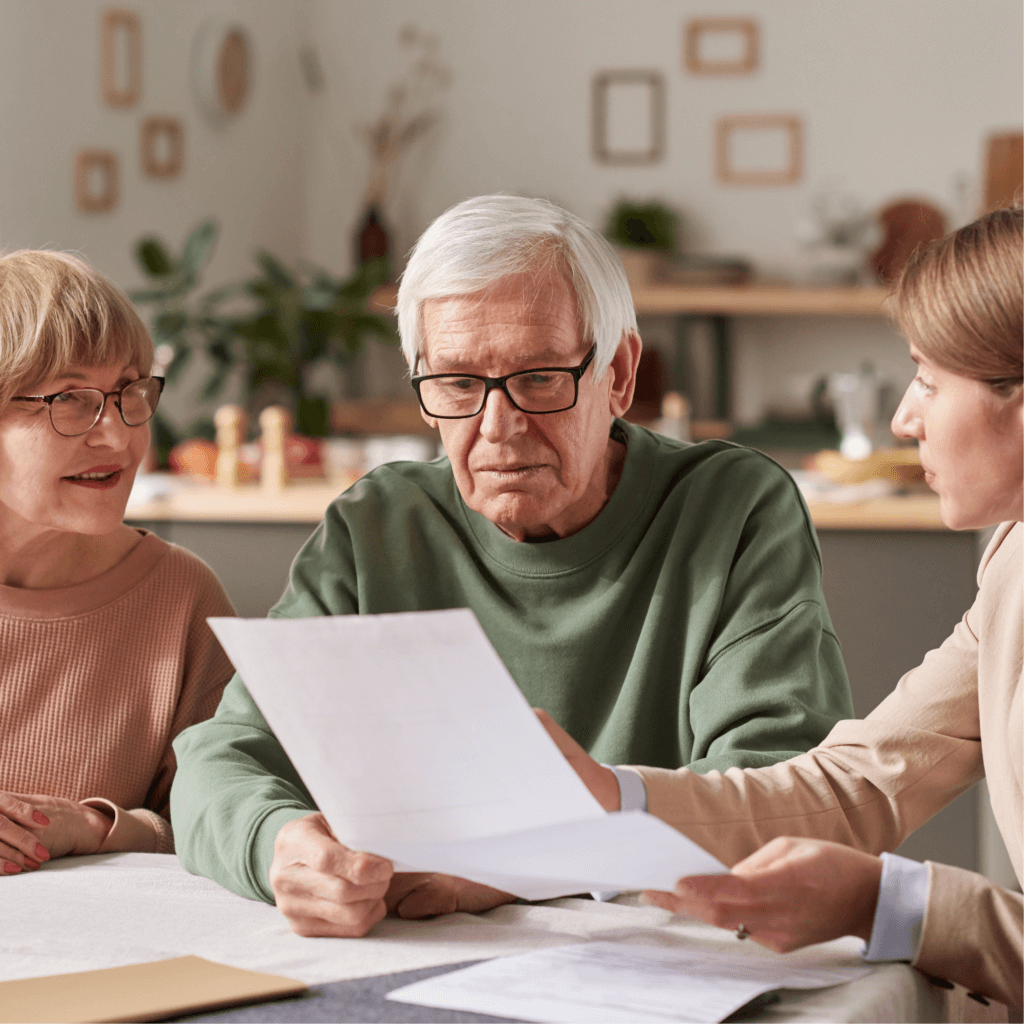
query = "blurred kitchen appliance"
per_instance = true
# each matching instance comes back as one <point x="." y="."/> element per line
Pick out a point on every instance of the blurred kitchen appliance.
<point x="855" y="401"/>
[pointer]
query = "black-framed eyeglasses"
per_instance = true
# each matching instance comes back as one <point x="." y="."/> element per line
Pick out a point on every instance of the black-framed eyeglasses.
<point x="544" y="389"/>
<point x="78" y="410"/>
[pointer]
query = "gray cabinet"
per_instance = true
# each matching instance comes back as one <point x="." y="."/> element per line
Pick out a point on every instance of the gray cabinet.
<point x="893" y="596"/>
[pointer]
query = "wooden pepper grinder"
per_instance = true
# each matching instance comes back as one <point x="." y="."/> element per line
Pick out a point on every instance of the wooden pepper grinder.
<point x="230" y="423"/>
<point x="275" y="422"/>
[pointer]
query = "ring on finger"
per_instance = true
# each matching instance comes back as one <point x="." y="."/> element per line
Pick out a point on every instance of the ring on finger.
<point x="742" y="933"/>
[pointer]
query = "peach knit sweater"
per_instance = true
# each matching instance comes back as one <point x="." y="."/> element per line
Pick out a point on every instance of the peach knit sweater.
<point x="96" y="680"/>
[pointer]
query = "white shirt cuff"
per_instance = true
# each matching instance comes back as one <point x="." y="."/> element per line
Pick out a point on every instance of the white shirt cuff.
<point x="902" y="898"/>
<point x="632" y="797"/>
<point x="632" y="791"/>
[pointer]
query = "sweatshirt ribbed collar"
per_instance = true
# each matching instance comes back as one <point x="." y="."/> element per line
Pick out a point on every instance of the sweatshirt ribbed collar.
<point x="555" y="557"/>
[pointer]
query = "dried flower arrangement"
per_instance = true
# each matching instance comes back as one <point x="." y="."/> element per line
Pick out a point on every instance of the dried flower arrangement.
<point x="410" y="112"/>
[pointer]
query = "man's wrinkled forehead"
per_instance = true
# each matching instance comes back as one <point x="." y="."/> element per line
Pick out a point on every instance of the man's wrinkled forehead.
<point x="537" y="299"/>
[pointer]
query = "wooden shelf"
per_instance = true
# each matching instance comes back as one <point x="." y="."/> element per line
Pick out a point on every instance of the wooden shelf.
<point x="759" y="300"/>
<point x="731" y="300"/>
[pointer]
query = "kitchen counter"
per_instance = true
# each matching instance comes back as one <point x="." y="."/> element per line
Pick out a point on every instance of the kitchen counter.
<point x="306" y="501"/>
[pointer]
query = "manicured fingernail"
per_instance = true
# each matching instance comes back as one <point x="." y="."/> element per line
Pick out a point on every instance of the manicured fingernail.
<point x="11" y="869"/>
<point x="42" y="852"/>
<point x="39" y="818"/>
<point x="31" y="864"/>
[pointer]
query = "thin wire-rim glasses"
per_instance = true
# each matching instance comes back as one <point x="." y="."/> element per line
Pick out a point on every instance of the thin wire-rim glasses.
<point x="490" y="383"/>
<point x="73" y="408"/>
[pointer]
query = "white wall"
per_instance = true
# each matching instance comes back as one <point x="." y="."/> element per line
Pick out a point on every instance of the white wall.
<point x="248" y="173"/>
<point x="897" y="97"/>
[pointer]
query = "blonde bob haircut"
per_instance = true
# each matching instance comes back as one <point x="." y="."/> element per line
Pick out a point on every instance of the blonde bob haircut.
<point x="481" y="240"/>
<point x="959" y="301"/>
<point x="57" y="312"/>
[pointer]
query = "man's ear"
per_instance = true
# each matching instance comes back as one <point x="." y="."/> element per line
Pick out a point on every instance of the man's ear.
<point x="623" y="369"/>
<point x="429" y="420"/>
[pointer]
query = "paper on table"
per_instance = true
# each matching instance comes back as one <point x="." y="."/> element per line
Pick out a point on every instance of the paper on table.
<point x="416" y="744"/>
<point x="620" y="983"/>
<point x="150" y="991"/>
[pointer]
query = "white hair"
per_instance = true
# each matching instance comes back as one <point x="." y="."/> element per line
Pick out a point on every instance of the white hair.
<point x="482" y="240"/>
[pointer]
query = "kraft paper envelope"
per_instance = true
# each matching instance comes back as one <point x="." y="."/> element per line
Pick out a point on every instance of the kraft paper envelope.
<point x="139" y="992"/>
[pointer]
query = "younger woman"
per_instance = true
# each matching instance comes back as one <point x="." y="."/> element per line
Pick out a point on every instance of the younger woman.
<point x="951" y="721"/>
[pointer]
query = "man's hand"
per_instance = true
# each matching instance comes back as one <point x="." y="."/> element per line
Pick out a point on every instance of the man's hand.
<point x="324" y="888"/>
<point x="790" y="893"/>
<point x="428" y="895"/>
<point x="601" y="781"/>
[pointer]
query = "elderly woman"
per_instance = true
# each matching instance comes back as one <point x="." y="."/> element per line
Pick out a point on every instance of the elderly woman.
<point x="105" y="655"/>
<point x="951" y="721"/>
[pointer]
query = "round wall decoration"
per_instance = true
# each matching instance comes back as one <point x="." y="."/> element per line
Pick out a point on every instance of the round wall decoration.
<point x="222" y="70"/>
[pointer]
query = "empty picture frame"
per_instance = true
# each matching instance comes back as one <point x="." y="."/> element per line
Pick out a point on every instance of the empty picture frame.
<point x="121" y="58"/>
<point x="721" y="46"/>
<point x="96" y="186"/>
<point x="759" y="149"/>
<point x="163" y="146"/>
<point x="627" y="117"/>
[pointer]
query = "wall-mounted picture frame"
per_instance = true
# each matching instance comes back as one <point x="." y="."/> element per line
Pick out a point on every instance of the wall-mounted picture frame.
<point x="222" y="67"/>
<point x="627" y="117"/>
<point x="96" y="180"/>
<point x="120" y="57"/>
<point x="163" y="146"/>
<point x="759" y="149"/>
<point x="721" y="46"/>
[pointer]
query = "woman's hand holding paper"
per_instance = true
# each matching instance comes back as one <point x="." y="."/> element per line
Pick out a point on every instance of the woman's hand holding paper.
<point x="788" y="894"/>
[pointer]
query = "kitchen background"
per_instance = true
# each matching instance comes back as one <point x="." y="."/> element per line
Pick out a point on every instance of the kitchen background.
<point x="265" y="112"/>
<point x="897" y="99"/>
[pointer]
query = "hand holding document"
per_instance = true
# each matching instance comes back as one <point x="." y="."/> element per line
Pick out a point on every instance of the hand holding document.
<point x="417" y="745"/>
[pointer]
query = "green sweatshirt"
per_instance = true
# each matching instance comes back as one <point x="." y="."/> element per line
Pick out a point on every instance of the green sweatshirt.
<point x="685" y="625"/>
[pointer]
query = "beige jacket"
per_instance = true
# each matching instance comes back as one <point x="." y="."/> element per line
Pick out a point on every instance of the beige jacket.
<point x="952" y="720"/>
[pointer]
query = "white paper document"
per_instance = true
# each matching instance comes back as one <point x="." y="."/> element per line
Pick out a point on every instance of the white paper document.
<point x="623" y="983"/>
<point x="416" y="744"/>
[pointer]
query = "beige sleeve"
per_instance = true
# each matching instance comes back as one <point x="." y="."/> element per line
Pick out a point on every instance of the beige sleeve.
<point x="868" y="785"/>
<point x="972" y="934"/>
<point x="138" y="831"/>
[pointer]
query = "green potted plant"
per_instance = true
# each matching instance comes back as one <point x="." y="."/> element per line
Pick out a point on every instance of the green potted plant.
<point x="280" y="325"/>
<point x="645" y="235"/>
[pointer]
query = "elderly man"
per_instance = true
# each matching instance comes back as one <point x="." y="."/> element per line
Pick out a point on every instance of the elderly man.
<point x="662" y="601"/>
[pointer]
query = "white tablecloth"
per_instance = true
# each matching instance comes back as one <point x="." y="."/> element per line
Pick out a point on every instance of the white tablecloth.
<point x="84" y="913"/>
